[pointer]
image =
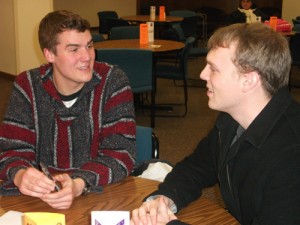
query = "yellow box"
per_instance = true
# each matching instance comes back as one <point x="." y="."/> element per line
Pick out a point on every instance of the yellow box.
<point x="43" y="218"/>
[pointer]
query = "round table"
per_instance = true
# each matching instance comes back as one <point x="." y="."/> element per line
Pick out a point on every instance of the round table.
<point x="157" y="46"/>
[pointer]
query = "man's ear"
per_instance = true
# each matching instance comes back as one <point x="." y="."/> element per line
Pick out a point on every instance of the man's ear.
<point x="49" y="55"/>
<point x="250" y="81"/>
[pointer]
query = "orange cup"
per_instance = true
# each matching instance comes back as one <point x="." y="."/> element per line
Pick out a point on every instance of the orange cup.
<point x="273" y="22"/>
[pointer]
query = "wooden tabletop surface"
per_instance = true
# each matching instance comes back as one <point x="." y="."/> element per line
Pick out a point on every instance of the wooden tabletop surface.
<point x="126" y="195"/>
<point x="158" y="45"/>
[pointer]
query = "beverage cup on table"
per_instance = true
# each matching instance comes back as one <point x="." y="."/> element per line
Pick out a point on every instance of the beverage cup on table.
<point x="273" y="22"/>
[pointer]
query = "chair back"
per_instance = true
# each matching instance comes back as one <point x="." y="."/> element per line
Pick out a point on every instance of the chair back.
<point x="147" y="144"/>
<point x="178" y="29"/>
<point x="124" y="32"/>
<point x="138" y="66"/>
<point x="97" y="38"/>
<point x="116" y="22"/>
<point x="295" y="49"/>
<point x="136" y="63"/>
<point x="190" y="26"/>
<point x="295" y="21"/>
<point x="184" y="56"/>
<point x="296" y="28"/>
<point x="102" y="16"/>
<point x="182" y="13"/>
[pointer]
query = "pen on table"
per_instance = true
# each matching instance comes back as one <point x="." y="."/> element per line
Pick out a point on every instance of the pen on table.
<point x="47" y="173"/>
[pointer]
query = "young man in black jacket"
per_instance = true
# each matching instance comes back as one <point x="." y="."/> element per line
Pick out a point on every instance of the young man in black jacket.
<point x="253" y="151"/>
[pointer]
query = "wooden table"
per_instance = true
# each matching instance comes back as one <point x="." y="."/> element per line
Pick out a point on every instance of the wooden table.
<point x="157" y="46"/>
<point x="146" y="18"/>
<point x="126" y="195"/>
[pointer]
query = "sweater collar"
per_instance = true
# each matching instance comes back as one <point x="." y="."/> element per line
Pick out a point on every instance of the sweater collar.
<point x="46" y="73"/>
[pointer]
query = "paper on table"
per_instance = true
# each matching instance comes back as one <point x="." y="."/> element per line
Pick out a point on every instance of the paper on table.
<point x="11" y="218"/>
<point x="110" y="218"/>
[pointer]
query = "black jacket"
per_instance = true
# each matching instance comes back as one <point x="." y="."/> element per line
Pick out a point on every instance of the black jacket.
<point x="259" y="175"/>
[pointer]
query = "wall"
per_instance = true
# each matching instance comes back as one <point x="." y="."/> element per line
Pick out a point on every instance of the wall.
<point x="290" y="9"/>
<point x="19" y="25"/>
<point x="89" y="8"/>
<point x="8" y="62"/>
<point x="27" y="17"/>
<point x="18" y="42"/>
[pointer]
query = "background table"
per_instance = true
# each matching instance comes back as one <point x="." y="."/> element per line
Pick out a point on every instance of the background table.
<point x="157" y="46"/>
<point x="146" y="18"/>
<point x="126" y="195"/>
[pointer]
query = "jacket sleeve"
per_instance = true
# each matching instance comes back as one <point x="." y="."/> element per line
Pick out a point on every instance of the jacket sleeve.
<point x="115" y="155"/>
<point x="176" y="222"/>
<point x="281" y="198"/>
<point x="185" y="182"/>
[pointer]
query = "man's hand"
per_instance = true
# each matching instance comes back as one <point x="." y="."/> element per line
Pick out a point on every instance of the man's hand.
<point x="33" y="182"/>
<point x="63" y="199"/>
<point x="154" y="212"/>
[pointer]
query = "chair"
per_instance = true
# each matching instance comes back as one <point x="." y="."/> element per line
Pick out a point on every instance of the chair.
<point x="215" y="18"/>
<point x="177" y="72"/>
<point x="193" y="24"/>
<point x="115" y="22"/>
<point x="295" y="21"/>
<point x="179" y="31"/>
<point x="147" y="144"/>
<point x="97" y="37"/>
<point x="102" y="16"/>
<point x="175" y="33"/>
<point x="295" y="53"/>
<point x="202" y="26"/>
<point x="138" y="66"/>
<point x="182" y="13"/>
<point x="125" y="32"/>
<point x="296" y="28"/>
<point x="190" y="26"/>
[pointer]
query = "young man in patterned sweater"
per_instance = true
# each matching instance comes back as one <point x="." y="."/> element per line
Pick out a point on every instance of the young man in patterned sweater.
<point x="73" y="114"/>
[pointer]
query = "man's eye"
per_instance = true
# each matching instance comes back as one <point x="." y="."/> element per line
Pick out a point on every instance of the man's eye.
<point x="73" y="49"/>
<point x="89" y="45"/>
